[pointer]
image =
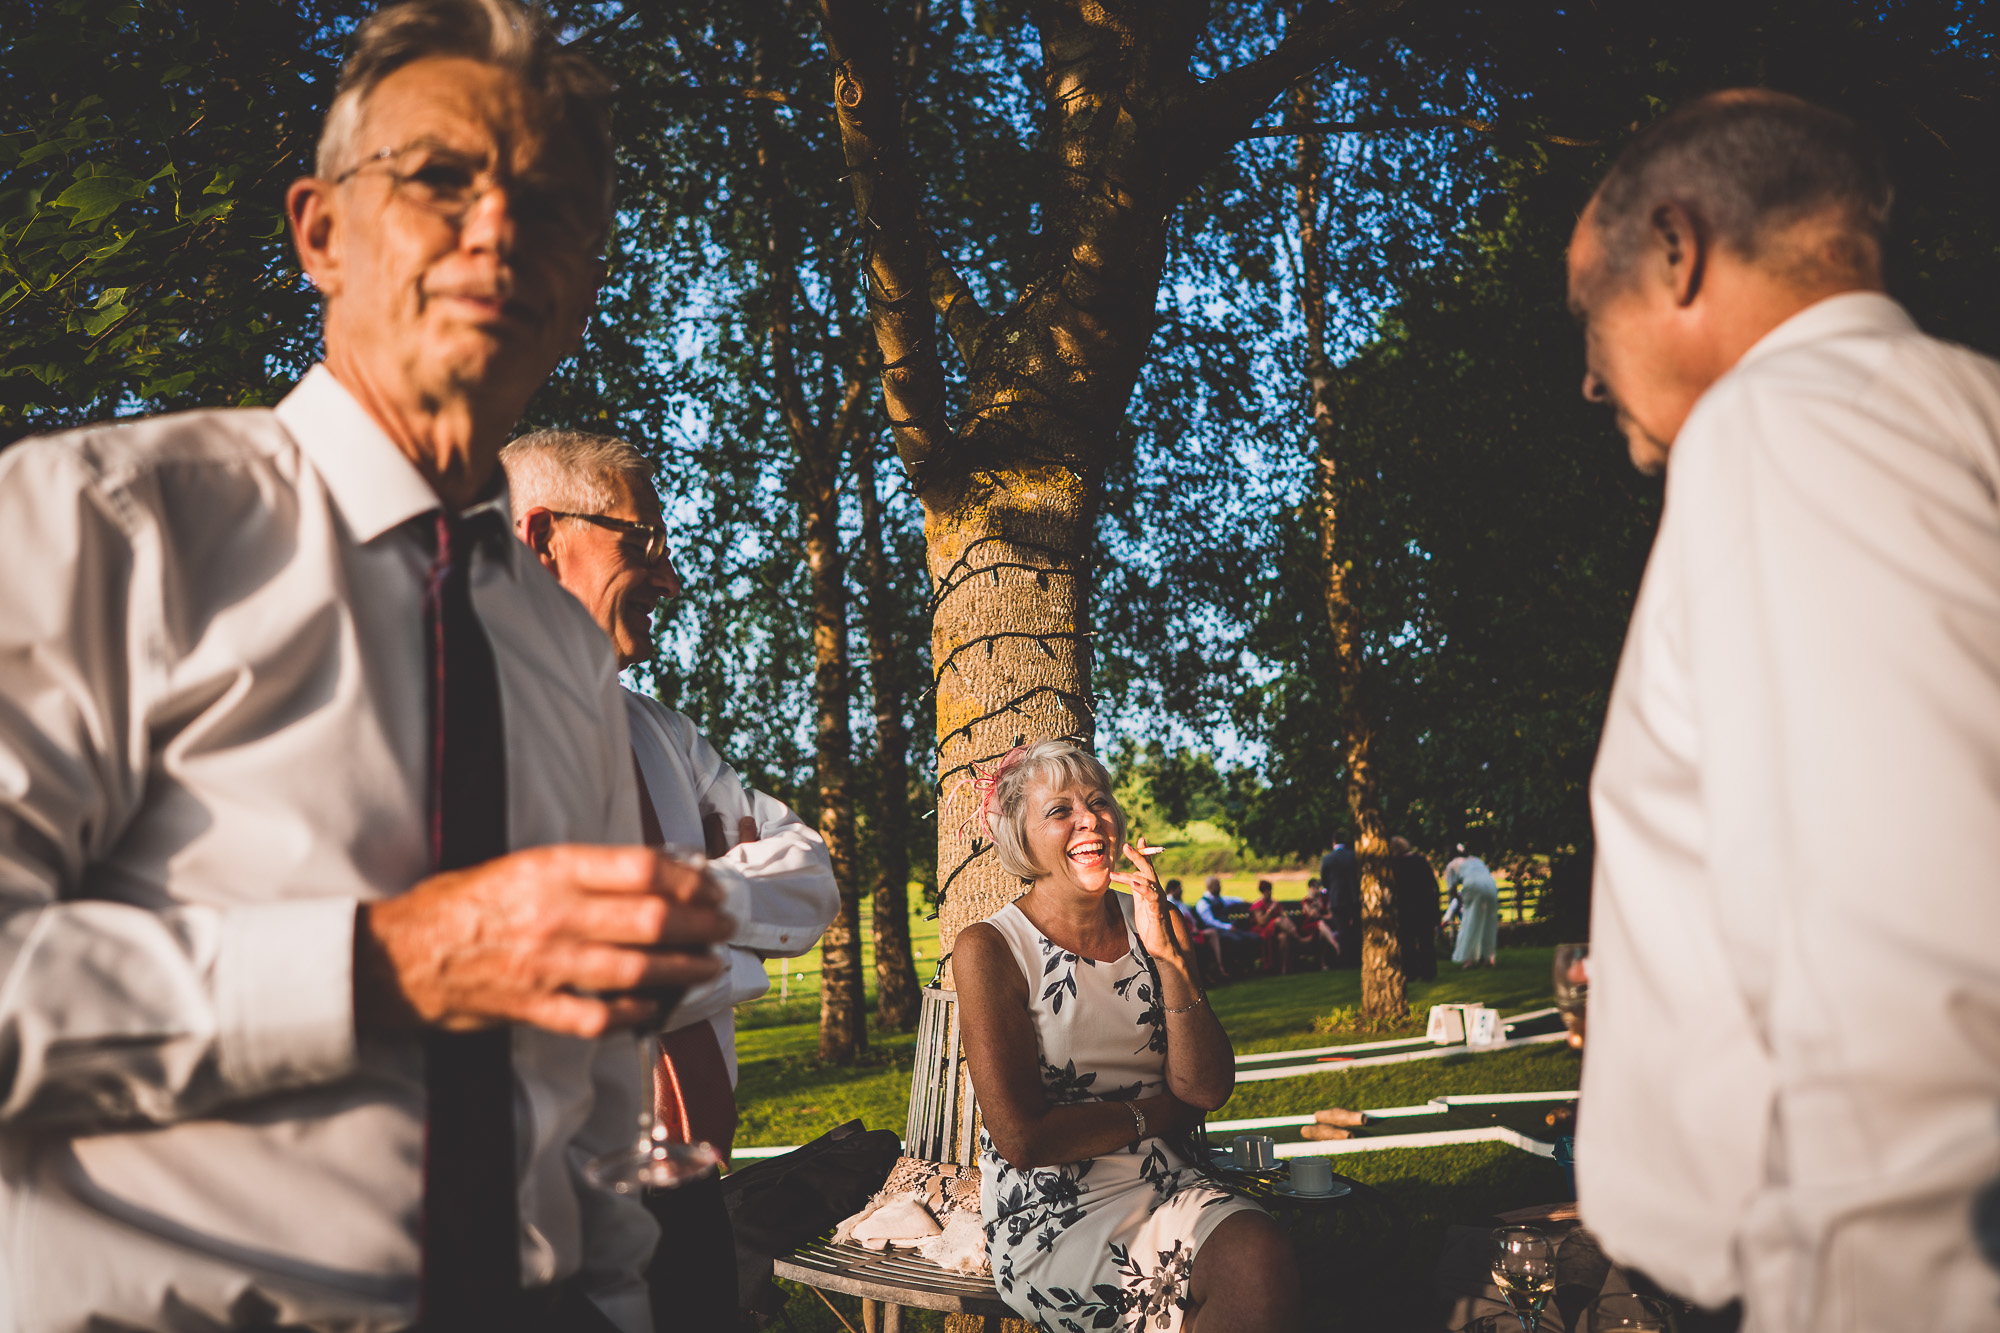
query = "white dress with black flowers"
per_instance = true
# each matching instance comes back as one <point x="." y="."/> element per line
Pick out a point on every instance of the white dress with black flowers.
<point x="1105" y="1243"/>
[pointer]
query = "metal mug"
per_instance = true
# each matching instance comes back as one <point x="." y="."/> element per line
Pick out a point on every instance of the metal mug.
<point x="1255" y="1152"/>
<point x="1312" y="1175"/>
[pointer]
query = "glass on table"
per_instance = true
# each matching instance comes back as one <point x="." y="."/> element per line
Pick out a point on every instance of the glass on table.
<point x="1571" y="975"/>
<point x="652" y="1160"/>
<point x="1630" y="1312"/>
<point x="1524" y="1268"/>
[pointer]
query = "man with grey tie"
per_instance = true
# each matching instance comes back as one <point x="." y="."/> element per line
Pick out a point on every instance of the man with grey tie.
<point x="320" y="916"/>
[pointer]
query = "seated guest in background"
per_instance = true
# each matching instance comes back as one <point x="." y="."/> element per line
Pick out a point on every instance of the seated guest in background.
<point x="1415" y="886"/>
<point x="1318" y="912"/>
<point x="1274" y="927"/>
<point x="585" y="505"/>
<point x="1212" y="909"/>
<point x="306" y="970"/>
<point x="1205" y="940"/>
<point x="1051" y="989"/>
<point x="1794" y="1026"/>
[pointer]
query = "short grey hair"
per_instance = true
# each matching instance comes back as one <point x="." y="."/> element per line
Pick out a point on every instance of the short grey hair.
<point x="1007" y="814"/>
<point x="570" y="470"/>
<point x="504" y="33"/>
<point x="1747" y="163"/>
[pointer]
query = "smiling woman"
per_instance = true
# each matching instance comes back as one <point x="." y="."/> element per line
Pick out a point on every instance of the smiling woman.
<point x="1093" y="1053"/>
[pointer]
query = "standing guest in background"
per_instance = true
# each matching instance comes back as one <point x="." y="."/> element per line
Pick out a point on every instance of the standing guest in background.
<point x="1415" y="886"/>
<point x="1793" y="1079"/>
<point x="585" y="505"/>
<point x="1479" y="916"/>
<point x="308" y="963"/>
<point x="1340" y="872"/>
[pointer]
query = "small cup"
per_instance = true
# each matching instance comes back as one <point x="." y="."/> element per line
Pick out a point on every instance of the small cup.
<point x="1631" y="1311"/>
<point x="1255" y="1152"/>
<point x="1312" y="1175"/>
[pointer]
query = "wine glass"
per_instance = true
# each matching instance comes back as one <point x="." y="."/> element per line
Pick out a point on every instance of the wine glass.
<point x="652" y="1160"/>
<point x="1630" y="1312"/>
<point x="1524" y="1268"/>
<point x="1572" y="983"/>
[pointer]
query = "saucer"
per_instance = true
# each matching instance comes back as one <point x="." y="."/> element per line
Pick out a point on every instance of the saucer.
<point x="1340" y="1187"/>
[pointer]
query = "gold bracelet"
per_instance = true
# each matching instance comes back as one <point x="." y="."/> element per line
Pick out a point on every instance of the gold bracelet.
<point x="1138" y="1120"/>
<point x="1189" y="1007"/>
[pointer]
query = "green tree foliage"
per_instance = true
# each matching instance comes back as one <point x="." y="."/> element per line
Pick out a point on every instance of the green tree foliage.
<point x="144" y="153"/>
<point x="1496" y="530"/>
<point x="1496" y="527"/>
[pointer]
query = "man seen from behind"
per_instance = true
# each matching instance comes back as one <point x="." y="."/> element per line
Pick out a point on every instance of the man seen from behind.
<point x="1792" y="1096"/>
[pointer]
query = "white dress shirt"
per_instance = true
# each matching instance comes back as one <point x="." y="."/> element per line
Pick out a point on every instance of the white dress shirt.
<point x="779" y="888"/>
<point x="212" y="747"/>
<point x="1792" y="1092"/>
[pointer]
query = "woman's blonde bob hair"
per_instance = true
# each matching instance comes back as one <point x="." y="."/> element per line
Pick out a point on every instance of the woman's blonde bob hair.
<point x="1059" y="763"/>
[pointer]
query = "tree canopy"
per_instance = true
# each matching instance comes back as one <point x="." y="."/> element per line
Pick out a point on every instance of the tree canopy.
<point x="1495" y="532"/>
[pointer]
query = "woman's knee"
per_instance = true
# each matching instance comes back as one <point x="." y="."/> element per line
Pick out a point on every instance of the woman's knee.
<point x="1247" y="1255"/>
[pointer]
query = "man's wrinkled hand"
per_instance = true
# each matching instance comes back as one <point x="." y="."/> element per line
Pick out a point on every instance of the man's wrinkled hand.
<point x="548" y="937"/>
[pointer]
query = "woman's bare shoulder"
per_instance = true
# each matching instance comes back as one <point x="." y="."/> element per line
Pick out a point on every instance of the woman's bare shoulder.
<point x="982" y="960"/>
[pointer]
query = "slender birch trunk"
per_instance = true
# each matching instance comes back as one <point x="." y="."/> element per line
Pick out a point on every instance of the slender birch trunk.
<point x="897" y="999"/>
<point x="1384" y="989"/>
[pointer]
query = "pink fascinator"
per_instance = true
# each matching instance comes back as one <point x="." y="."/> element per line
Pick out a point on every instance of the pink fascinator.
<point x="986" y="781"/>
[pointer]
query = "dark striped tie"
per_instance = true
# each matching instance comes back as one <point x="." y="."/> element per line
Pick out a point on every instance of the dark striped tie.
<point x="471" y="1223"/>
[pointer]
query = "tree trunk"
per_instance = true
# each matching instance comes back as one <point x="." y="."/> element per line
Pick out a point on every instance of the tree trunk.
<point x="897" y="998"/>
<point x="1010" y="492"/>
<point x="1384" y="988"/>
<point x="820" y="446"/>
<point x="843" y="1031"/>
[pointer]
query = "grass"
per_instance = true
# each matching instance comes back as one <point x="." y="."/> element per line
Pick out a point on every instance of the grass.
<point x="794" y="995"/>
<point x="786" y="1097"/>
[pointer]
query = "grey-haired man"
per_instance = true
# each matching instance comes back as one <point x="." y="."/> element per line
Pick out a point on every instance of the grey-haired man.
<point x="1793" y="1091"/>
<point x="313" y="913"/>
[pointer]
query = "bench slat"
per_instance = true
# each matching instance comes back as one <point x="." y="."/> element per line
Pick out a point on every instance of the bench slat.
<point x="889" y="1276"/>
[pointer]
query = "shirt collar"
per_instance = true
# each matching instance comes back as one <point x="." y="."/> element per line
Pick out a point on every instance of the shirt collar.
<point x="1835" y="317"/>
<point x="373" y="485"/>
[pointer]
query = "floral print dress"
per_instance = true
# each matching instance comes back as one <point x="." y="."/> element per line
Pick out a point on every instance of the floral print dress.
<point x="1105" y="1243"/>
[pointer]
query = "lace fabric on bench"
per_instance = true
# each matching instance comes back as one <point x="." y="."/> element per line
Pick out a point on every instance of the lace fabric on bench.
<point x="950" y="1195"/>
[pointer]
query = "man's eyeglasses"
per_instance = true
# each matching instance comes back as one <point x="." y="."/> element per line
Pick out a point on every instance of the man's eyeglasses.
<point x="447" y="183"/>
<point x="648" y="541"/>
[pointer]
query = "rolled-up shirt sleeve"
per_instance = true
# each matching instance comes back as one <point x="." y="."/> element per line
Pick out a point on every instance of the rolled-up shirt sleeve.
<point x="779" y="887"/>
<point x="115" y="1009"/>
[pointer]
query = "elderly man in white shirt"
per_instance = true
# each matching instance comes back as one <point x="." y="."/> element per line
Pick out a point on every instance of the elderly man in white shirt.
<point x="1792" y="1097"/>
<point x="302" y="761"/>
<point x="585" y="505"/>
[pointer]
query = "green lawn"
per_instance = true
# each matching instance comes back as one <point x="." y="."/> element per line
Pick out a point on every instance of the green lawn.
<point x="786" y="1097"/>
<point x="794" y="995"/>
